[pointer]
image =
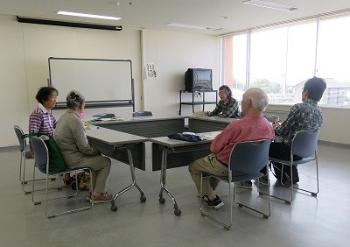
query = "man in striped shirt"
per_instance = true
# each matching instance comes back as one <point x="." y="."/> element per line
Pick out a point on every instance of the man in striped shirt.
<point x="42" y="121"/>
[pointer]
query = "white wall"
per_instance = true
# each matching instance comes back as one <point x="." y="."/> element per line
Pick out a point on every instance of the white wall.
<point x="335" y="126"/>
<point x="172" y="53"/>
<point x="13" y="87"/>
<point x="25" y="49"/>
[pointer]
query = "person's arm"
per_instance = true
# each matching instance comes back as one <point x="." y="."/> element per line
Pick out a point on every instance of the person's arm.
<point x="35" y="121"/>
<point x="287" y="126"/>
<point x="216" y="111"/>
<point x="228" y="135"/>
<point x="80" y="138"/>
<point x="232" y="109"/>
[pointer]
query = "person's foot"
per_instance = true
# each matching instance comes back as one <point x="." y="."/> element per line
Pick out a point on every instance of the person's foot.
<point x="245" y="184"/>
<point x="101" y="197"/>
<point x="215" y="203"/>
<point x="264" y="180"/>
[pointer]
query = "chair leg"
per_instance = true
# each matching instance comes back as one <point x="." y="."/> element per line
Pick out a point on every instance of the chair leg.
<point x="20" y="168"/>
<point x="75" y="210"/>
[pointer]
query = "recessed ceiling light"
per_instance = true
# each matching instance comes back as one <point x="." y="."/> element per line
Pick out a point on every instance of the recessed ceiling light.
<point x="61" y="12"/>
<point x="186" y="26"/>
<point x="269" y="5"/>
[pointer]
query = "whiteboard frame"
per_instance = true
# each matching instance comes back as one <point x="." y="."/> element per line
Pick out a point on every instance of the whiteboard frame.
<point x="104" y="103"/>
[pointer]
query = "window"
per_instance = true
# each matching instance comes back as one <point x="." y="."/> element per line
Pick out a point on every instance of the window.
<point x="235" y="62"/>
<point x="280" y="59"/>
<point x="333" y="60"/>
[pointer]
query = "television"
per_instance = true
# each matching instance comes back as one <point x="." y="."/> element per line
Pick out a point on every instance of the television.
<point x="198" y="79"/>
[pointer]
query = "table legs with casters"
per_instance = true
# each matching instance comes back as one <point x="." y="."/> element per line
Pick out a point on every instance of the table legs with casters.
<point x="163" y="188"/>
<point x="129" y="187"/>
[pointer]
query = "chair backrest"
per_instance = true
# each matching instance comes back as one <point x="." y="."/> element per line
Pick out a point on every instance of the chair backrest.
<point x="20" y="134"/>
<point x="304" y="143"/>
<point x="250" y="157"/>
<point x="142" y="114"/>
<point x="41" y="153"/>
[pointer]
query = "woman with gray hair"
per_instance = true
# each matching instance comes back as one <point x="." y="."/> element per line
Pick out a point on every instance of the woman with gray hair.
<point x="227" y="106"/>
<point x="77" y="152"/>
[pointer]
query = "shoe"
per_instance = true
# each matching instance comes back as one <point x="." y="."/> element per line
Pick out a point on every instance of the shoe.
<point x="245" y="184"/>
<point x="101" y="198"/>
<point x="216" y="203"/>
<point x="264" y="180"/>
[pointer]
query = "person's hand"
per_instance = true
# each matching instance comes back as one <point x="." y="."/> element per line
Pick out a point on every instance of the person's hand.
<point x="275" y="125"/>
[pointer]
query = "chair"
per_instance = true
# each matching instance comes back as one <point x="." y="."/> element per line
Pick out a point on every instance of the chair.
<point x="25" y="153"/>
<point x="304" y="145"/>
<point x="41" y="155"/>
<point x="142" y="114"/>
<point x="246" y="161"/>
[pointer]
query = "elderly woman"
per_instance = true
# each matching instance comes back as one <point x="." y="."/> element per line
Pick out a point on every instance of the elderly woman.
<point x="41" y="121"/>
<point x="77" y="152"/>
<point x="227" y="106"/>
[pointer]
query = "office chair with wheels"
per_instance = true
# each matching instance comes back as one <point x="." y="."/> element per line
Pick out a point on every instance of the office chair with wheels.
<point x="246" y="161"/>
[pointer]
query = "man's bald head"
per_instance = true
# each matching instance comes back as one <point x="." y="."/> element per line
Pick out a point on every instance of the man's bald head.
<point x="254" y="100"/>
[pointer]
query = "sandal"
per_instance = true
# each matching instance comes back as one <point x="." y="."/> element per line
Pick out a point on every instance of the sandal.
<point x="102" y="197"/>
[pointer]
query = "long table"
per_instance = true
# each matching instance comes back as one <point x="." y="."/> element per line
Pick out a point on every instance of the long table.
<point x="127" y="148"/>
<point x="166" y="153"/>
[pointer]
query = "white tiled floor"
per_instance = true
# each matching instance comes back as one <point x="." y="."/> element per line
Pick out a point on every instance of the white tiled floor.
<point x="321" y="221"/>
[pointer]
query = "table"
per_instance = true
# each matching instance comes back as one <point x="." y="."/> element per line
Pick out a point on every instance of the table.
<point x="169" y="153"/>
<point x="166" y="153"/>
<point x="123" y="147"/>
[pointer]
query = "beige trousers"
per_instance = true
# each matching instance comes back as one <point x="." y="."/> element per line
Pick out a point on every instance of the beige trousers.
<point x="100" y="167"/>
<point x="208" y="164"/>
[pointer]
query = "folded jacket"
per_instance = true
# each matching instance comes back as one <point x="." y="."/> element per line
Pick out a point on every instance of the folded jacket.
<point x="185" y="137"/>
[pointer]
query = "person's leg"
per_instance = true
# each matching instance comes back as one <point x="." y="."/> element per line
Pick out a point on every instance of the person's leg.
<point x="210" y="165"/>
<point x="282" y="151"/>
<point x="100" y="166"/>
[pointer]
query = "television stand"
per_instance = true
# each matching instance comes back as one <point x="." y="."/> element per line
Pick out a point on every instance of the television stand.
<point x="193" y="102"/>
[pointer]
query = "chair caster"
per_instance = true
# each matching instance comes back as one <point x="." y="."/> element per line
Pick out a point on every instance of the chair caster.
<point x="53" y="179"/>
<point x="51" y="216"/>
<point x="113" y="207"/>
<point x="70" y="196"/>
<point x="27" y="192"/>
<point x="240" y="205"/>
<point x="177" y="212"/>
<point x="143" y="198"/>
<point x="37" y="203"/>
<point x="24" y="182"/>
<point x="265" y="216"/>
<point x="313" y="194"/>
<point x="161" y="200"/>
<point x="287" y="202"/>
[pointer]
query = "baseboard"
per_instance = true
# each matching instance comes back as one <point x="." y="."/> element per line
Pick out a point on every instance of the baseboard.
<point x="334" y="144"/>
<point x="9" y="148"/>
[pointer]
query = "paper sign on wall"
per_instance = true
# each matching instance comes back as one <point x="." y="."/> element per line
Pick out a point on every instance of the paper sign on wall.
<point x="150" y="71"/>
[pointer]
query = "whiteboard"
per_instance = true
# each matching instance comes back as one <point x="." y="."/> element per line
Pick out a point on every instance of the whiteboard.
<point x="102" y="82"/>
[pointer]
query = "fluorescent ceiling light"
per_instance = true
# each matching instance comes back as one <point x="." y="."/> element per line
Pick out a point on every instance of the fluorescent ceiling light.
<point x="186" y="26"/>
<point x="61" y="12"/>
<point x="269" y="5"/>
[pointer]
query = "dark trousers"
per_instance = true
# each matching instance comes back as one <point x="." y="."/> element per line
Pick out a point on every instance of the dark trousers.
<point x="282" y="151"/>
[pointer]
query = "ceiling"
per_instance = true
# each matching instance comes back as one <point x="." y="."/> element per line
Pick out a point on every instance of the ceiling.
<point x="224" y="15"/>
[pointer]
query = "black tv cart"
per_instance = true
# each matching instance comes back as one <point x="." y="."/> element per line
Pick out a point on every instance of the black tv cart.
<point x="193" y="102"/>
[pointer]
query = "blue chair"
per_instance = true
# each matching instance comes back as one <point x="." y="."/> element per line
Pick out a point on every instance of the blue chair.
<point x="41" y="155"/>
<point x="246" y="161"/>
<point x="142" y="114"/>
<point x="304" y="145"/>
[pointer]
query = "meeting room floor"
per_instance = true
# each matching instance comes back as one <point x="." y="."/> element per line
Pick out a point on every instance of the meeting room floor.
<point x="308" y="221"/>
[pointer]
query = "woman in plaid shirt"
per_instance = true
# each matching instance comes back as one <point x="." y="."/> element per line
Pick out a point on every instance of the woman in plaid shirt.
<point x="227" y="106"/>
